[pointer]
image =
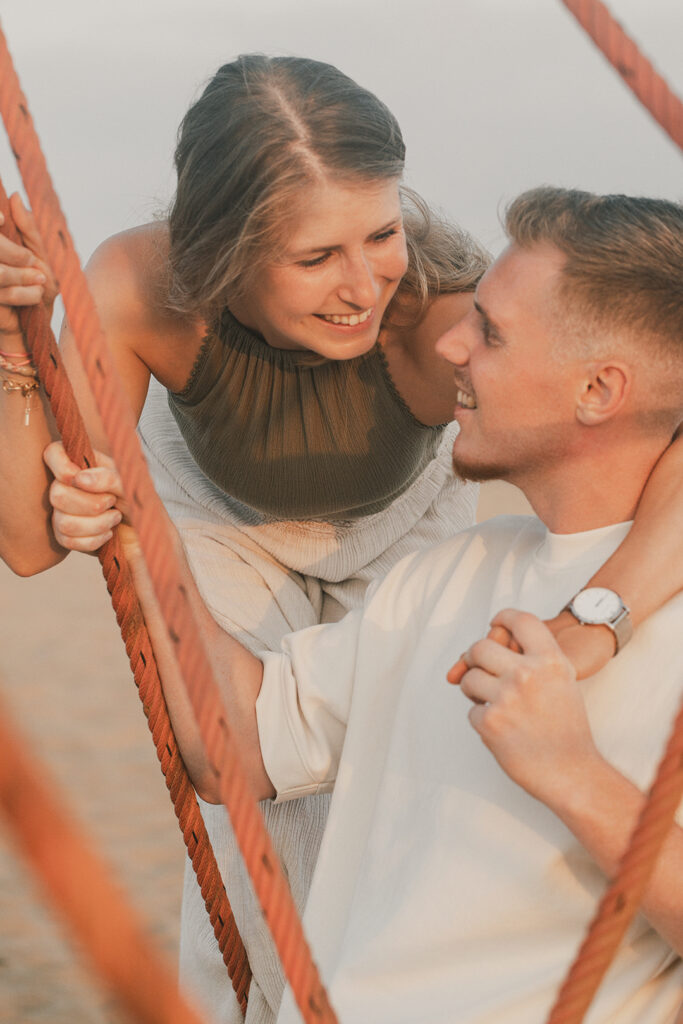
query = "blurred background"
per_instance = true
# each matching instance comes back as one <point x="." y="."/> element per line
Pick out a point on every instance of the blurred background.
<point x="493" y="97"/>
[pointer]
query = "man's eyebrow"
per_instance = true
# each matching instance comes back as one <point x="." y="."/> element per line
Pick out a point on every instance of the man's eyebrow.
<point x="483" y="314"/>
<point x="490" y="325"/>
<point x="394" y="222"/>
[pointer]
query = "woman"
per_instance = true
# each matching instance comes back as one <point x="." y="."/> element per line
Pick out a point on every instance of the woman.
<point x="295" y="417"/>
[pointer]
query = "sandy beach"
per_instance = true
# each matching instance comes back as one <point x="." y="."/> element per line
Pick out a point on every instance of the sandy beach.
<point x="65" y="675"/>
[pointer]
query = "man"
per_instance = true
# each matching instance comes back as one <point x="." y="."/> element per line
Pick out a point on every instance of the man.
<point x="472" y="828"/>
<point x="457" y="876"/>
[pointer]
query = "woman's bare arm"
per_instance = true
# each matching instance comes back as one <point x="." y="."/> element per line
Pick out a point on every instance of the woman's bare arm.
<point x="123" y="276"/>
<point x="25" y="280"/>
<point x="237" y="671"/>
<point x="646" y="570"/>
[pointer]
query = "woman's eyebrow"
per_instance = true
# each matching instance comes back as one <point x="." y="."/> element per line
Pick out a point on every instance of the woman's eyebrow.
<point x="329" y="248"/>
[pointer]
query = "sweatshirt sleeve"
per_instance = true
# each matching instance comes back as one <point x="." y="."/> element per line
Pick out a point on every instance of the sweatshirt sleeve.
<point x="303" y="706"/>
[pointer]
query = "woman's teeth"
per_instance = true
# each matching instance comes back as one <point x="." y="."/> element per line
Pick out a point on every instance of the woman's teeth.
<point x="462" y="398"/>
<point x="347" y="321"/>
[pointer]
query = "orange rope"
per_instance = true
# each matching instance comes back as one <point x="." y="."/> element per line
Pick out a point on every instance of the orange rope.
<point x="45" y="353"/>
<point x="622" y="898"/>
<point x="76" y="879"/>
<point x="169" y="578"/>
<point x="636" y="70"/>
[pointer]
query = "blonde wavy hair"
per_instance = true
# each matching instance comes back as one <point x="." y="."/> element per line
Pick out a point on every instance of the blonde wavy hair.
<point x="263" y="130"/>
<point x="442" y="259"/>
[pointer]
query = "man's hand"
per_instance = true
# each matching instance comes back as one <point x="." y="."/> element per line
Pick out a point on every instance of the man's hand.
<point x="528" y="707"/>
<point x="588" y="648"/>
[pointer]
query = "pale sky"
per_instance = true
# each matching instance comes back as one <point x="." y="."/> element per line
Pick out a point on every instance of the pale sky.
<point x="493" y="96"/>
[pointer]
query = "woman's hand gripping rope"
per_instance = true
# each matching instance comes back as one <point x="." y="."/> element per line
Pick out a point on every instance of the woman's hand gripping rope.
<point x="25" y="277"/>
<point x="87" y="503"/>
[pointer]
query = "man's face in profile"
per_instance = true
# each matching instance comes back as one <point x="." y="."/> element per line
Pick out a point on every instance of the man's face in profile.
<point x="516" y="401"/>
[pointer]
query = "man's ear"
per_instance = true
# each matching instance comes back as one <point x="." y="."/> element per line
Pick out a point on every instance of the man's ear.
<point x="602" y="392"/>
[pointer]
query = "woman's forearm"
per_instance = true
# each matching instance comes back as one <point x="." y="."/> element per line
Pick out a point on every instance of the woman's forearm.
<point x="647" y="569"/>
<point x="27" y="544"/>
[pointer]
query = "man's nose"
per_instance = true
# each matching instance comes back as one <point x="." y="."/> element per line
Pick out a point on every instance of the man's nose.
<point x="455" y="345"/>
<point x="358" y="285"/>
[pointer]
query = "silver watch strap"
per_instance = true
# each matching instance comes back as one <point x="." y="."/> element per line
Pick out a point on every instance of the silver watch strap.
<point x="622" y="627"/>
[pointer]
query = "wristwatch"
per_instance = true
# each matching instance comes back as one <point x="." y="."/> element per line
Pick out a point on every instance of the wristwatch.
<point x="597" y="606"/>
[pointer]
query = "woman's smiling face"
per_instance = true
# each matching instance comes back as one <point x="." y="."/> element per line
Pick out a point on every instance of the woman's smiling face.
<point x="342" y="264"/>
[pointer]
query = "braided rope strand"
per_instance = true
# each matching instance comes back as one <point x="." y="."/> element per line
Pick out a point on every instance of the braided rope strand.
<point x="75" y="877"/>
<point x="636" y="70"/>
<point x="169" y="579"/>
<point x="622" y="898"/>
<point x="47" y="358"/>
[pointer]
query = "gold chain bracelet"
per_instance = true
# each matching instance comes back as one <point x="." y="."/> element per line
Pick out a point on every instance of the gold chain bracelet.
<point x="27" y="388"/>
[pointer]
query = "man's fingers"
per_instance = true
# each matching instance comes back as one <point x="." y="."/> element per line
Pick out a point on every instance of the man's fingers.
<point x="530" y="634"/>
<point x="480" y="687"/>
<point x="497" y="633"/>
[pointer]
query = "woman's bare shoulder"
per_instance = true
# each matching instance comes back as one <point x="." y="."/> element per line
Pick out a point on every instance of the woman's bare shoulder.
<point x="128" y="271"/>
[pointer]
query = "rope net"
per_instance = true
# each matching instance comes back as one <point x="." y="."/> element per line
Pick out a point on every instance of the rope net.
<point x="622" y="897"/>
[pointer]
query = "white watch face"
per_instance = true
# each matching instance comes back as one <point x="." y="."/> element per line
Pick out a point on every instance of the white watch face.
<point x="597" y="604"/>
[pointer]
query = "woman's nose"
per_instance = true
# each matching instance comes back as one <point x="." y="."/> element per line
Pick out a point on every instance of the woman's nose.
<point x="358" y="285"/>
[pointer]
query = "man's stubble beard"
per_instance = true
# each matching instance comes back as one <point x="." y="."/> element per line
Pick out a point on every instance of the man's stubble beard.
<point x="478" y="473"/>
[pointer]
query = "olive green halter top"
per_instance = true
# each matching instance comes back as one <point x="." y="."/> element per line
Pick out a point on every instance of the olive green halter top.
<point x="295" y="436"/>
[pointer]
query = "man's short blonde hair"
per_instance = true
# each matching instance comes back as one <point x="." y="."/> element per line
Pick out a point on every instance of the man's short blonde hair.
<point x="623" y="274"/>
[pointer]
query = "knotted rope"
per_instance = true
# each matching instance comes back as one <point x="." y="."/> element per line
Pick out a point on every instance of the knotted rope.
<point x="168" y="577"/>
